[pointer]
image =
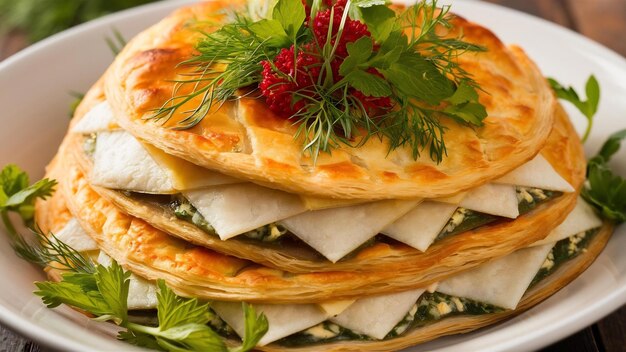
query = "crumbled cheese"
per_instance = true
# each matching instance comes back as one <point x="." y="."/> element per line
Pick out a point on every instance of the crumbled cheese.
<point x="443" y="308"/>
<point x="458" y="304"/>
<point x="456" y="219"/>
<point x="523" y="194"/>
<point x="549" y="262"/>
<point x="275" y="233"/>
<point x="538" y="193"/>
<point x="574" y="241"/>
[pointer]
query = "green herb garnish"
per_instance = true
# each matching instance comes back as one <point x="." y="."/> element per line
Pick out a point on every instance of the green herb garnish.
<point x="182" y="321"/>
<point x="606" y="190"/>
<point x="103" y="291"/>
<point x="396" y="83"/>
<point x="587" y="107"/>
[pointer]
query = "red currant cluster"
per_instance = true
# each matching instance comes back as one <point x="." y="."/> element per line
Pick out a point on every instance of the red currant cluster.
<point x="290" y="73"/>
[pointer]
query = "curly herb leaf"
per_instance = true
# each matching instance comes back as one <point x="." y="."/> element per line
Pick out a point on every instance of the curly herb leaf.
<point x="103" y="291"/>
<point x="606" y="190"/>
<point x="17" y="196"/>
<point x="587" y="107"/>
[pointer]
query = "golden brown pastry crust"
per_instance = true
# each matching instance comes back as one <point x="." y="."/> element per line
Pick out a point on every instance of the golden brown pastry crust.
<point x="562" y="149"/>
<point x="197" y="271"/>
<point x="449" y="326"/>
<point x="246" y="140"/>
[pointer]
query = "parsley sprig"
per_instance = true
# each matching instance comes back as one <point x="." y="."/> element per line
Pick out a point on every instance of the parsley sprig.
<point x="182" y="321"/>
<point x="587" y="107"/>
<point x="228" y="59"/>
<point x="606" y="190"/>
<point x="103" y="291"/>
<point x="419" y="72"/>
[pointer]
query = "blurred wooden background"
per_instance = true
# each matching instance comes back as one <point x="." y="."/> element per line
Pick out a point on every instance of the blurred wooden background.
<point x="601" y="20"/>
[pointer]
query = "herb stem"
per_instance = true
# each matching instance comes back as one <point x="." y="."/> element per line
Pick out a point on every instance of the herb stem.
<point x="8" y="224"/>
<point x="588" y="130"/>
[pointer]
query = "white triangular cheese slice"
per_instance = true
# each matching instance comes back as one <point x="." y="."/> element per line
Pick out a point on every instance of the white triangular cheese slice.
<point x="375" y="316"/>
<point x="235" y="209"/>
<point x="581" y="219"/>
<point x="537" y="173"/>
<point x="142" y="294"/>
<point x="493" y="199"/>
<point x="186" y="175"/>
<point x="337" y="232"/>
<point x="334" y="308"/>
<point x="421" y="225"/>
<point x="98" y="119"/>
<point x="73" y="235"/>
<point x="121" y="162"/>
<point x="283" y="319"/>
<point x="501" y="282"/>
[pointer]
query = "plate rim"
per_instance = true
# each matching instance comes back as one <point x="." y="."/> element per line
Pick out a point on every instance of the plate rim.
<point x="533" y="339"/>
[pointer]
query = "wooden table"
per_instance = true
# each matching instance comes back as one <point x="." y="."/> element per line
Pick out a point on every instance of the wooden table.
<point x="601" y="20"/>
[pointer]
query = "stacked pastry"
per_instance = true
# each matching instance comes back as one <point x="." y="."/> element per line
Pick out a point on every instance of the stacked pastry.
<point x="362" y="248"/>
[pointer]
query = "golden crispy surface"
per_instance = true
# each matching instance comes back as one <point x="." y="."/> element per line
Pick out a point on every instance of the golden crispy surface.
<point x="246" y="140"/>
<point x="562" y="149"/>
<point x="198" y="271"/>
<point x="48" y="212"/>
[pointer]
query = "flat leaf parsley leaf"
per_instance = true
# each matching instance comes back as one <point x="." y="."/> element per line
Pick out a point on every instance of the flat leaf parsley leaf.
<point x="587" y="107"/>
<point x="606" y="190"/>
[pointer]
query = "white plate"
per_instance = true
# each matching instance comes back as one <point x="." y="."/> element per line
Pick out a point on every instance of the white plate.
<point x="34" y="86"/>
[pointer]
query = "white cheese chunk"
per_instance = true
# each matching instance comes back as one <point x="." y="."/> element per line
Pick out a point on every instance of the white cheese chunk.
<point x="73" y="235"/>
<point x="235" y="209"/>
<point x="121" y="162"/>
<point x="334" y="308"/>
<point x="501" y="282"/>
<point x="537" y="173"/>
<point x="142" y="294"/>
<point x="493" y="199"/>
<point x="98" y="119"/>
<point x="420" y="226"/>
<point x="581" y="219"/>
<point x="337" y="232"/>
<point x="186" y="175"/>
<point x="375" y="316"/>
<point x="283" y="319"/>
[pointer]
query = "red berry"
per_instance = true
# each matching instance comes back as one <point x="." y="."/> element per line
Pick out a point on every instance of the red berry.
<point x="279" y="83"/>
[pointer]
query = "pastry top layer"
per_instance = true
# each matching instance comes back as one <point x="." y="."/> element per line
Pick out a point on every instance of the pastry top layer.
<point x="245" y="139"/>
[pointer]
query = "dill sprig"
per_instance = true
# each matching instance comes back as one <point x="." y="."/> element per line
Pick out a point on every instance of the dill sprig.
<point x="404" y="60"/>
<point x="48" y="249"/>
<point x="17" y="196"/>
<point x="227" y="60"/>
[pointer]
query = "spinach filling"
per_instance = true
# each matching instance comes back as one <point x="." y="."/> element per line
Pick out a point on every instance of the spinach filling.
<point x="429" y="308"/>
<point x="464" y="219"/>
<point x="563" y="251"/>
<point x="432" y="307"/>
